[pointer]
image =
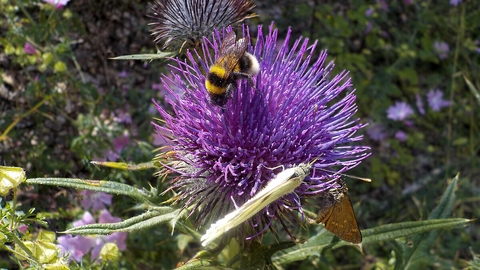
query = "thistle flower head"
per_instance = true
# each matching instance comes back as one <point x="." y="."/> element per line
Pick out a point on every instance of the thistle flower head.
<point x="181" y="24"/>
<point x="296" y="113"/>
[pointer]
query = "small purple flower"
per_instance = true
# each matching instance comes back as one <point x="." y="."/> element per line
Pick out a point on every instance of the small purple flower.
<point x="122" y="116"/>
<point x="441" y="48"/>
<point x="76" y="246"/>
<point x="400" y="111"/>
<point x="435" y="100"/>
<point x="123" y="74"/>
<point x="401" y="136"/>
<point x="95" y="200"/>
<point x="120" y="142"/>
<point x="156" y="86"/>
<point x="86" y="219"/>
<point x="383" y="5"/>
<point x="57" y="3"/>
<point x="368" y="28"/>
<point x="419" y="103"/>
<point x="29" y="49"/>
<point x="369" y="12"/>
<point x="298" y="112"/>
<point x="22" y="228"/>
<point x="376" y="132"/>
<point x="119" y="238"/>
<point x="455" y="2"/>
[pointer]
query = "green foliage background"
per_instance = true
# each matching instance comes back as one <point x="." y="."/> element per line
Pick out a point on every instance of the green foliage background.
<point x="60" y="108"/>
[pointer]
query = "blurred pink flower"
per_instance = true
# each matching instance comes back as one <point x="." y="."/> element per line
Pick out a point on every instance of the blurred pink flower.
<point x="22" y="228"/>
<point x="122" y="116"/>
<point x="419" y="103"/>
<point x="401" y="136"/>
<point x="435" y="100"/>
<point x="118" y="238"/>
<point x="95" y="200"/>
<point x="120" y="143"/>
<point x="383" y="5"/>
<point x="123" y="74"/>
<point x="87" y="218"/>
<point x="369" y="12"/>
<point x="376" y="132"/>
<point x="29" y="49"/>
<point x="368" y="27"/>
<point x="400" y="111"/>
<point x="57" y="3"/>
<point x="76" y="246"/>
<point x="455" y="2"/>
<point x="441" y="48"/>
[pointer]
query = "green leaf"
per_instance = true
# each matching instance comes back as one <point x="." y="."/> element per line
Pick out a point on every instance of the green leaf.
<point x="417" y="250"/>
<point x="312" y="247"/>
<point x="96" y="185"/>
<point x="141" y="222"/>
<point x="315" y="245"/>
<point x="147" y="56"/>
<point x="473" y="89"/>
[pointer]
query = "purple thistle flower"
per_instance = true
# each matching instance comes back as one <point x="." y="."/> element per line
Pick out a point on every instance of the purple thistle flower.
<point x="227" y="155"/>
<point x="400" y="111"/>
<point x="435" y="100"/>
<point x="181" y="24"/>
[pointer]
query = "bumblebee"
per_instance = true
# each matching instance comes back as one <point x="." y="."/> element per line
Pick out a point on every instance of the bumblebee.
<point x="233" y="63"/>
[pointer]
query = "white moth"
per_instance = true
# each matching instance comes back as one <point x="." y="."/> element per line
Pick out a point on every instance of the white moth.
<point x="284" y="183"/>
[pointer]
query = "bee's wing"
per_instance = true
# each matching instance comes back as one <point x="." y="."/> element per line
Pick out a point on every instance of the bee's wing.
<point x="227" y="42"/>
<point x="231" y="51"/>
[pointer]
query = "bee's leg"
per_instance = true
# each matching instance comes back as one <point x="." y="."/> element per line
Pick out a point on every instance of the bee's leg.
<point x="250" y="81"/>
<point x="230" y="88"/>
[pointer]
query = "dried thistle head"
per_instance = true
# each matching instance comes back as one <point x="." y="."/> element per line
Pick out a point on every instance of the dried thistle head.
<point x="181" y="24"/>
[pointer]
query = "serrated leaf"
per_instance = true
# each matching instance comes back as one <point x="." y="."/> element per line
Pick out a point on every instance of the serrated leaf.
<point x="315" y="245"/>
<point x="147" y="56"/>
<point x="405" y="229"/>
<point x="312" y="247"/>
<point x="418" y="250"/>
<point x="96" y="185"/>
<point x="137" y="223"/>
